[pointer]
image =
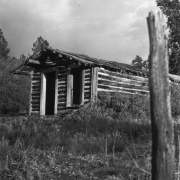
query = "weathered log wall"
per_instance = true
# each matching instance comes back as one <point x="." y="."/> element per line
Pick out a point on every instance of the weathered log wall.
<point x="62" y="89"/>
<point x="35" y="95"/>
<point x="87" y="85"/>
<point x="117" y="82"/>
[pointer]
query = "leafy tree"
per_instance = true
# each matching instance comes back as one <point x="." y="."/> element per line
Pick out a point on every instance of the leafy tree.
<point x="4" y="50"/>
<point x="172" y="10"/>
<point x="14" y="89"/>
<point x="39" y="44"/>
<point x="139" y="62"/>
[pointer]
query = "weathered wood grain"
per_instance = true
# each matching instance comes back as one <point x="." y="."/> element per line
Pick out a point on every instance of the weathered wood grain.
<point x="118" y="84"/>
<point x="118" y="89"/>
<point x="161" y="120"/>
<point x="102" y="71"/>
<point x="123" y="80"/>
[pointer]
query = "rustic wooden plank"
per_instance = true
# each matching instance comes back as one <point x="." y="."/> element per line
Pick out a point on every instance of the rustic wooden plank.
<point x="69" y="90"/>
<point x="35" y="97"/>
<point x="62" y="82"/>
<point x="35" y="106"/>
<point x="87" y="100"/>
<point x="88" y="75"/>
<point x="118" y="89"/>
<point x="61" y="104"/>
<point x="36" y="78"/>
<point x="114" y="91"/>
<point x="35" y="93"/>
<point x="36" y="88"/>
<point x="87" y="96"/>
<point x="123" y="80"/>
<point x="35" y="102"/>
<point x="161" y="120"/>
<point x="36" y="83"/>
<point x="35" y="113"/>
<point x="62" y="99"/>
<point x="117" y="84"/>
<point x="43" y="94"/>
<point x="117" y="74"/>
<point x="62" y="94"/>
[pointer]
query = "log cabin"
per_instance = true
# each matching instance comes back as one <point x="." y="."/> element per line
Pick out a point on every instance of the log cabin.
<point x="61" y="80"/>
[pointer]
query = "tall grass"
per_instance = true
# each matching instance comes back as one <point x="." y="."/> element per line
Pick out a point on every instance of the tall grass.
<point x="114" y="133"/>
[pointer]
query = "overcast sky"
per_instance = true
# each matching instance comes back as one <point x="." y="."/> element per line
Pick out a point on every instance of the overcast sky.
<point x="114" y="30"/>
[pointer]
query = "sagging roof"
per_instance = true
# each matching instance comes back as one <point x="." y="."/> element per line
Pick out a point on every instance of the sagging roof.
<point x="49" y="57"/>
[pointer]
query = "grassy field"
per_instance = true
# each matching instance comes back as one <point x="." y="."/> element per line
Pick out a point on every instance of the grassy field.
<point x="108" y="140"/>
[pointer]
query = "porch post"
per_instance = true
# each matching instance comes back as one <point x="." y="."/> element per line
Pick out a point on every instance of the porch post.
<point x="43" y="95"/>
<point x="82" y="87"/>
<point x="69" y="90"/>
<point x="56" y="93"/>
<point x="94" y="82"/>
<point x="30" y="95"/>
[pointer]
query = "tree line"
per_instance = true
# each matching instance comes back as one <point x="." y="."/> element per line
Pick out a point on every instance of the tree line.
<point x="14" y="89"/>
<point x="172" y="11"/>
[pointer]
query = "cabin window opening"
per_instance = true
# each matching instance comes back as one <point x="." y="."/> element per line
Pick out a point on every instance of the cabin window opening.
<point x="50" y="93"/>
<point x="76" y="91"/>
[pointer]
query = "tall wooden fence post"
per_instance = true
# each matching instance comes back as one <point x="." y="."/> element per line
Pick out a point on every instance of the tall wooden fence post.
<point x="161" y="120"/>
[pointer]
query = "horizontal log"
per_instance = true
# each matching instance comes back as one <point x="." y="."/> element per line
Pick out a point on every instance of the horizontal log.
<point x="61" y="103"/>
<point x="62" y="78"/>
<point x="87" y="100"/>
<point x="62" y="82"/>
<point x="117" y="74"/>
<point x="87" y="79"/>
<point x="119" y="89"/>
<point x="87" y="96"/>
<point x="87" y="87"/>
<point x="87" y="83"/>
<point x="35" y="105"/>
<point x="35" y="97"/>
<point x="62" y="86"/>
<point x="35" y="102"/>
<point x="61" y="89"/>
<point x="35" y="93"/>
<point x="99" y="90"/>
<point x="87" y="91"/>
<point x="61" y="95"/>
<point x="36" y="78"/>
<point x="35" y="109"/>
<point x="36" y="83"/>
<point x="63" y="74"/>
<point x="36" y="72"/>
<point x="35" y="113"/>
<point x="117" y="84"/>
<point x="62" y="98"/>
<point x="60" y="109"/>
<point x="87" y="75"/>
<point x="122" y="80"/>
<point x="36" y="88"/>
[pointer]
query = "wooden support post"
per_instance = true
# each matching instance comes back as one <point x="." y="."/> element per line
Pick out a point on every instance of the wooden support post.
<point x="161" y="120"/>
<point x="69" y="90"/>
<point x="82" y="86"/>
<point x="43" y="95"/>
<point x="56" y="92"/>
<point x="94" y="80"/>
<point x="30" y="95"/>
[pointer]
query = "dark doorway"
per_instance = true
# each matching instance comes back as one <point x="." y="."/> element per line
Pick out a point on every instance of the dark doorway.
<point x="50" y="93"/>
<point x="76" y="85"/>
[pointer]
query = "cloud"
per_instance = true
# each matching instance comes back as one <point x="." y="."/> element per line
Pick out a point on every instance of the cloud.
<point x="113" y="30"/>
